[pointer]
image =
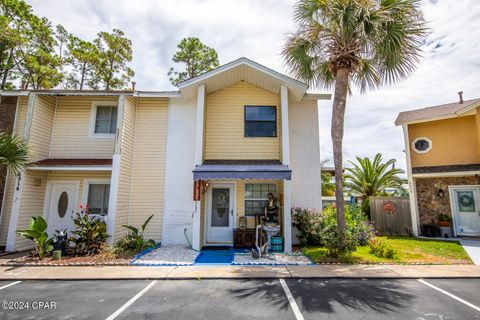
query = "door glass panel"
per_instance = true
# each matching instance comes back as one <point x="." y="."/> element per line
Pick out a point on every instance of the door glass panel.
<point x="466" y="202"/>
<point x="63" y="204"/>
<point x="220" y="207"/>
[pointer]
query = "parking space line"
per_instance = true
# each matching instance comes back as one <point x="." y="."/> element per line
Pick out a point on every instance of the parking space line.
<point x="131" y="301"/>
<point x="471" y="305"/>
<point x="291" y="300"/>
<point x="10" y="284"/>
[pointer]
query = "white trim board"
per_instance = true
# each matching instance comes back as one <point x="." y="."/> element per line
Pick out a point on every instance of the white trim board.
<point x="237" y="63"/>
<point x="71" y="168"/>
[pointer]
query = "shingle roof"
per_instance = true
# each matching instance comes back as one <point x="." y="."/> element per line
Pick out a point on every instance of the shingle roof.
<point x="428" y="113"/>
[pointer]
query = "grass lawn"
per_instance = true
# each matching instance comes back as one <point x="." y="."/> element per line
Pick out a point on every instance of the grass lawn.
<point x="409" y="250"/>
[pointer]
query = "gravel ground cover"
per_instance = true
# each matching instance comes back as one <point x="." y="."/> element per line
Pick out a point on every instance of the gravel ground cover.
<point x="167" y="255"/>
<point x="274" y="259"/>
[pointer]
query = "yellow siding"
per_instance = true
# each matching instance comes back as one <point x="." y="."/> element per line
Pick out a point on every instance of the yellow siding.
<point x="477" y="118"/>
<point x="41" y="129"/>
<point x="31" y="204"/>
<point x="148" y="176"/>
<point x="71" y="134"/>
<point x="126" y="163"/>
<point x="454" y="141"/>
<point x="224" y="124"/>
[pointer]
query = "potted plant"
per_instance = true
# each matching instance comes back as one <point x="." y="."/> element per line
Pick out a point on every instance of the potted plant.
<point x="443" y="220"/>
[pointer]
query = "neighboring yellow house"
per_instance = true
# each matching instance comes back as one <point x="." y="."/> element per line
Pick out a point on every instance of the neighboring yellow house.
<point x="442" y="144"/>
<point x="241" y="131"/>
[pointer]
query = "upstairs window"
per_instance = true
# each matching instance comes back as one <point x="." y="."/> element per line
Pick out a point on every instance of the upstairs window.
<point x="106" y="119"/>
<point x="260" y="121"/>
<point x="103" y="119"/>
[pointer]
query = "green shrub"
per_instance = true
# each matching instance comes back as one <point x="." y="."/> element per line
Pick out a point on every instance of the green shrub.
<point x="36" y="233"/>
<point x="309" y="225"/>
<point x="381" y="249"/>
<point x="444" y="217"/>
<point x="320" y="229"/>
<point x="134" y="241"/>
<point x="90" y="233"/>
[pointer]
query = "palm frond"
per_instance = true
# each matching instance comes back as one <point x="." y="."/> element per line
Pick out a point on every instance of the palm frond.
<point x="378" y="40"/>
<point x="13" y="152"/>
<point x="368" y="177"/>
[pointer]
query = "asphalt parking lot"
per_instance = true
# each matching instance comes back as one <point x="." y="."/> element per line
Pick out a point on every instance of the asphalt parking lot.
<point x="242" y="299"/>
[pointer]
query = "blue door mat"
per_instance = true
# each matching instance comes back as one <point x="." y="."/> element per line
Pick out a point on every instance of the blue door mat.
<point x="215" y="257"/>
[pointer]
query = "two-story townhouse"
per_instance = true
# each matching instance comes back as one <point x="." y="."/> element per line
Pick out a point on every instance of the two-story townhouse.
<point x="198" y="159"/>
<point x="442" y="145"/>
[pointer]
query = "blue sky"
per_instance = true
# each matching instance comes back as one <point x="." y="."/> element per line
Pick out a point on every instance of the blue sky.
<point x="257" y="30"/>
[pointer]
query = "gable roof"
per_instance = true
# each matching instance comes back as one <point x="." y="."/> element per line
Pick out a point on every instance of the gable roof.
<point x="243" y="69"/>
<point x="443" y="111"/>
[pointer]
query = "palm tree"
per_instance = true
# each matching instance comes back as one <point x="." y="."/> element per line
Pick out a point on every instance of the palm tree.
<point x="371" y="178"/>
<point x="13" y="153"/>
<point x="368" y="43"/>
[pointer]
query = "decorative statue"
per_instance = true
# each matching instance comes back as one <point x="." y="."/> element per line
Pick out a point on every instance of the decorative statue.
<point x="271" y="210"/>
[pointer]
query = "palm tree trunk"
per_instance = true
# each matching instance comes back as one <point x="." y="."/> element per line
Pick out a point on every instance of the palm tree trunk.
<point x="338" y="116"/>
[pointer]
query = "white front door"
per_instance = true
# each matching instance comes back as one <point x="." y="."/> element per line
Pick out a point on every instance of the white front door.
<point x="61" y="206"/>
<point x="220" y="214"/>
<point x="466" y="210"/>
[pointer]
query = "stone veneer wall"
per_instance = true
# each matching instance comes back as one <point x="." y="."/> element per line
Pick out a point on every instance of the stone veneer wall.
<point x="8" y="106"/>
<point x="429" y="203"/>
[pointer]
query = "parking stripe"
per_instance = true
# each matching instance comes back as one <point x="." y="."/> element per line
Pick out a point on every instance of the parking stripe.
<point x="131" y="301"/>
<point x="291" y="300"/>
<point x="471" y="305"/>
<point x="10" y="284"/>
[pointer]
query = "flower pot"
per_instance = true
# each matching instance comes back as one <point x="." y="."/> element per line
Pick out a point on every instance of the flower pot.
<point x="443" y="223"/>
<point x="57" y="255"/>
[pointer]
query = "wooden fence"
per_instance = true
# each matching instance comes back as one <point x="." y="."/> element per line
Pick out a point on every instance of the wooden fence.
<point x="391" y="215"/>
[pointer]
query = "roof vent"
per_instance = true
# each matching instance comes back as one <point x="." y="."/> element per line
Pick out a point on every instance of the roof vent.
<point x="133" y="85"/>
<point x="460" y="97"/>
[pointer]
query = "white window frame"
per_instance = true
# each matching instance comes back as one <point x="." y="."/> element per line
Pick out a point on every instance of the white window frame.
<point x="430" y="145"/>
<point x="86" y="188"/>
<point x="255" y="199"/>
<point x="93" y="118"/>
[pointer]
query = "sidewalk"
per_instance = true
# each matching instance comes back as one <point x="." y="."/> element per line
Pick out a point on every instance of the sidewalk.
<point x="472" y="247"/>
<point x="239" y="272"/>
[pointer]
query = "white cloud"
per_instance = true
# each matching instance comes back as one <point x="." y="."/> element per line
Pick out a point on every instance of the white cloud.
<point x="257" y="29"/>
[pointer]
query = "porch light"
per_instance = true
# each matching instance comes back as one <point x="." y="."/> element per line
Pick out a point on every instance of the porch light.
<point x="37" y="182"/>
<point x="205" y="186"/>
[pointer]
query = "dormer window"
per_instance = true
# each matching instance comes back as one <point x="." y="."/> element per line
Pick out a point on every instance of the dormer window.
<point x="260" y="121"/>
<point x="422" y="145"/>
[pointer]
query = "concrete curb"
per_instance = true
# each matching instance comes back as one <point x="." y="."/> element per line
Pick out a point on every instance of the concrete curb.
<point x="238" y="272"/>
